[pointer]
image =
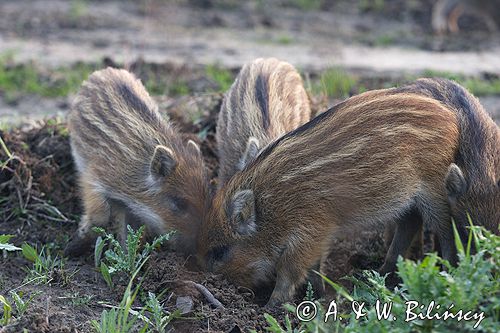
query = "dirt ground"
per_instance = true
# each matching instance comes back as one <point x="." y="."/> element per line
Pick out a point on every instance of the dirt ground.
<point x="174" y="39"/>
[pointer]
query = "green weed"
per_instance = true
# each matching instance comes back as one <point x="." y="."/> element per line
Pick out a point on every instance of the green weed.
<point x="7" y="310"/>
<point x="371" y="5"/>
<point x="335" y="83"/>
<point x="77" y="300"/>
<point x="473" y="285"/>
<point x="5" y="246"/>
<point x="126" y="259"/>
<point x="77" y="9"/>
<point x="121" y="319"/>
<point x="46" y="268"/>
<point x="20" y="304"/>
<point x="159" y="317"/>
<point x="284" y="40"/>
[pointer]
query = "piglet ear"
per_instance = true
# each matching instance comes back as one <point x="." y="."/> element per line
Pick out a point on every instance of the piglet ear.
<point x="192" y="146"/>
<point x="251" y="151"/>
<point x="242" y="213"/>
<point x="455" y="183"/>
<point x="163" y="162"/>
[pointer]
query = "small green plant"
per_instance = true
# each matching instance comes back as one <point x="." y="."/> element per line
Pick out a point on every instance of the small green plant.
<point x="309" y="296"/>
<point x="20" y="305"/>
<point x="127" y="259"/>
<point x="159" y="318"/>
<point x="335" y="83"/>
<point x="121" y="319"/>
<point x="284" y="40"/>
<point x="80" y="300"/>
<point x="7" y="310"/>
<point x="473" y="285"/>
<point x="222" y="77"/>
<point x="384" y="40"/>
<point x="4" y="245"/>
<point x="78" y="9"/>
<point x="371" y="5"/>
<point x="46" y="267"/>
<point x="178" y="88"/>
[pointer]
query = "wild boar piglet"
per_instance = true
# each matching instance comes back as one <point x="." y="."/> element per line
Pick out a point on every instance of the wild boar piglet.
<point x="373" y="158"/>
<point x="266" y="100"/>
<point x="133" y="166"/>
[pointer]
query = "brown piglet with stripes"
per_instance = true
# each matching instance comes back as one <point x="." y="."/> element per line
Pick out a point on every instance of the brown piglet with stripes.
<point x="133" y="166"/>
<point x="377" y="157"/>
<point x="473" y="183"/>
<point x="266" y="100"/>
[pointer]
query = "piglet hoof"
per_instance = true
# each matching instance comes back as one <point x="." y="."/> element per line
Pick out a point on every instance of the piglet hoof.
<point x="78" y="246"/>
<point x="272" y="303"/>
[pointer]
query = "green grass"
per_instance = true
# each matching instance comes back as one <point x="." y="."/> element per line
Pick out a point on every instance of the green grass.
<point x="19" y="303"/>
<point x="121" y="319"/>
<point x="384" y="40"/>
<point x="477" y="86"/>
<point x="284" y="40"/>
<point x="371" y="5"/>
<point x="335" y="83"/>
<point x="221" y="76"/>
<point x="46" y="267"/>
<point x="129" y="259"/>
<point x="18" y="79"/>
<point x="77" y="10"/>
<point x="473" y="285"/>
<point x="307" y="5"/>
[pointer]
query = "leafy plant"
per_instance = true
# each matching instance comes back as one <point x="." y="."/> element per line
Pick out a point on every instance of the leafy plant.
<point x="20" y="305"/>
<point x="473" y="285"/>
<point x="45" y="266"/>
<point x="4" y="245"/>
<point x="159" y="318"/>
<point x="121" y="319"/>
<point x="7" y="310"/>
<point x="127" y="259"/>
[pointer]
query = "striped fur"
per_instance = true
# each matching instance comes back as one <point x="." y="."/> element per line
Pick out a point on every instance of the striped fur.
<point x="478" y="155"/>
<point x="266" y="100"/>
<point x="133" y="166"/>
<point x="370" y="159"/>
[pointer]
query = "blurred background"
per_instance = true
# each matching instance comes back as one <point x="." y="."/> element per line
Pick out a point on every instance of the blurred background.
<point x="187" y="52"/>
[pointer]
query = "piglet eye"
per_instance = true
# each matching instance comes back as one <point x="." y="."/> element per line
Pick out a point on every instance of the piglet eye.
<point x="178" y="204"/>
